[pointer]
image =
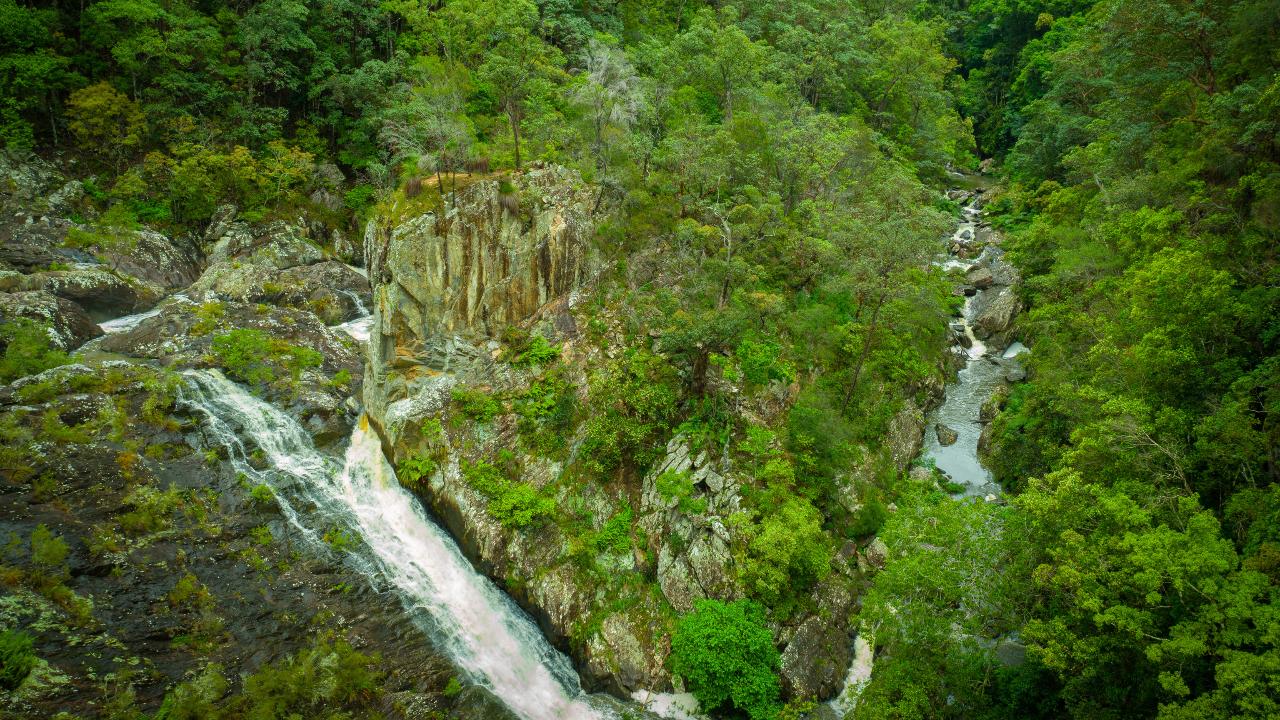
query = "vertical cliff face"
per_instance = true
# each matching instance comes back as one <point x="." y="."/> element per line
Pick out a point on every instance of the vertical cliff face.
<point x="445" y="282"/>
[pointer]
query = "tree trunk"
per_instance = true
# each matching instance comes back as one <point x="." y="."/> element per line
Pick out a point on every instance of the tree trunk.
<point x="867" y="344"/>
<point x="514" y="117"/>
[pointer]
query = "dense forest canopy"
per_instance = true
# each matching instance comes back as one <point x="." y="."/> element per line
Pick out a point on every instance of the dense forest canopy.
<point x="791" y="154"/>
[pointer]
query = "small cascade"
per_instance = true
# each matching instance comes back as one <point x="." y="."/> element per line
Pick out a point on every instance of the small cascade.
<point x="361" y="327"/>
<point x="466" y="616"/>
<point x="129" y="322"/>
<point x="857" y="678"/>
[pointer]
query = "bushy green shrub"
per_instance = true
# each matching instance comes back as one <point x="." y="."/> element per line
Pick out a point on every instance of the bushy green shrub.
<point x="788" y="553"/>
<point x="412" y="470"/>
<point x="761" y="362"/>
<point x="253" y="356"/>
<point x="514" y="504"/>
<point x="672" y="485"/>
<point x="476" y="404"/>
<point x="28" y="349"/>
<point x="17" y="658"/>
<point x="538" y="352"/>
<point x="634" y="401"/>
<point x="726" y="656"/>
<point x="868" y="519"/>
<point x="546" y="411"/>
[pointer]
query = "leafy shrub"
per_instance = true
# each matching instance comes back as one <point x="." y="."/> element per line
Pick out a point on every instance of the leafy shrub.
<point x="869" y="518"/>
<point x="189" y="592"/>
<point x="788" y="553"/>
<point x="538" y="352"/>
<point x="672" y="485"/>
<point x="262" y="496"/>
<point x="316" y="679"/>
<point x="726" y="656"/>
<point x="48" y="553"/>
<point x="515" y="505"/>
<point x="761" y="362"/>
<point x="253" y="356"/>
<point x="28" y="349"/>
<point x="17" y="658"/>
<point x="151" y="511"/>
<point x="546" y="411"/>
<point x="635" y="399"/>
<point x="615" y="536"/>
<point x="412" y="470"/>
<point x="477" y="404"/>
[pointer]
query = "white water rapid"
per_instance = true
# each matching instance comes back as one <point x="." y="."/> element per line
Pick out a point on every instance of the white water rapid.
<point x="129" y="322"/>
<point x="486" y="635"/>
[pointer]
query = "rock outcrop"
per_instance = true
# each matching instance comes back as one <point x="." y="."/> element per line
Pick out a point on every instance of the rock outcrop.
<point x="69" y="325"/>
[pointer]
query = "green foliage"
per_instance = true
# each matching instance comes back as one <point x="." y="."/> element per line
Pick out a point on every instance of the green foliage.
<point x="725" y="655"/>
<point x="28" y="349"/>
<point x="255" y="357"/>
<point x="327" y="680"/>
<point x="413" y="470"/>
<point x="869" y="518"/>
<point x="151" y="510"/>
<point x="477" y="404"/>
<point x="547" y="410"/>
<point x="634" y="401"/>
<point x="678" y="486"/>
<point x="537" y="352"/>
<point x="788" y="553"/>
<point x="262" y="496"/>
<point x="17" y="658"/>
<point x="48" y="553"/>
<point x="514" y="504"/>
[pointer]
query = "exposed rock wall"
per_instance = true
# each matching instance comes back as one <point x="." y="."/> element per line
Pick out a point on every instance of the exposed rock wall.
<point x="444" y="282"/>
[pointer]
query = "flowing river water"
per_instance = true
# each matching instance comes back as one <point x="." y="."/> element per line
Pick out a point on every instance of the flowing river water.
<point x="488" y="637"/>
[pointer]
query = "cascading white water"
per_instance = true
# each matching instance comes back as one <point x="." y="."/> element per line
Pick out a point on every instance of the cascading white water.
<point x="481" y="629"/>
<point x="129" y="322"/>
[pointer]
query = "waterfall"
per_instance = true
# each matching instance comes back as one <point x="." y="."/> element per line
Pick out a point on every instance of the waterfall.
<point x="466" y="616"/>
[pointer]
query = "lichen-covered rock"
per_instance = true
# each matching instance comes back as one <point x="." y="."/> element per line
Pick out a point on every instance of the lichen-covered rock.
<point x="157" y="259"/>
<point x="997" y="313"/>
<point x="817" y="656"/>
<point x="70" y="326"/>
<point x="98" y="290"/>
<point x="280" y="245"/>
<point x="484" y="264"/>
<point x="946" y="435"/>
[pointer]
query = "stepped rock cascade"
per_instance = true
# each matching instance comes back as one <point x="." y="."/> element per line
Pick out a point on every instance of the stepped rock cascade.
<point x="981" y="332"/>
<point x="465" y="615"/>
<point x="989" y="361"/>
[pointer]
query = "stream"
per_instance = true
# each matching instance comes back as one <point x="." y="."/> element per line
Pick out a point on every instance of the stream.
<point x="985" y="369"/>
<point x="489" y="638"/>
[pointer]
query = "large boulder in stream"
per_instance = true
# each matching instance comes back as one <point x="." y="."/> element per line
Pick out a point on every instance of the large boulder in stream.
<point x="946" y="436"/>
<point x="99" y="290"/>
<point x="333" y="291"/>
<point x="999" y="309"/>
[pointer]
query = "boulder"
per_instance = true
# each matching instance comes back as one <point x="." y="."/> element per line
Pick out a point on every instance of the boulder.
<point x="817" y="656"/>
<point x="479" y="703"/>
<point x="980" y="277"/>
<point x="99" y="291"/>
<point x="70" y="326"/>
<point x="157" y="259"/>
<point x="946" y="436"/>
<point x="876" y="554"/>
<point x="279" y="245"/>
<point x="999" y="310"/>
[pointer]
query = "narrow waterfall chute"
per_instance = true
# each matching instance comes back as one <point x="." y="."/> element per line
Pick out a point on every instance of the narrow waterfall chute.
<point x="486" y="635"/>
